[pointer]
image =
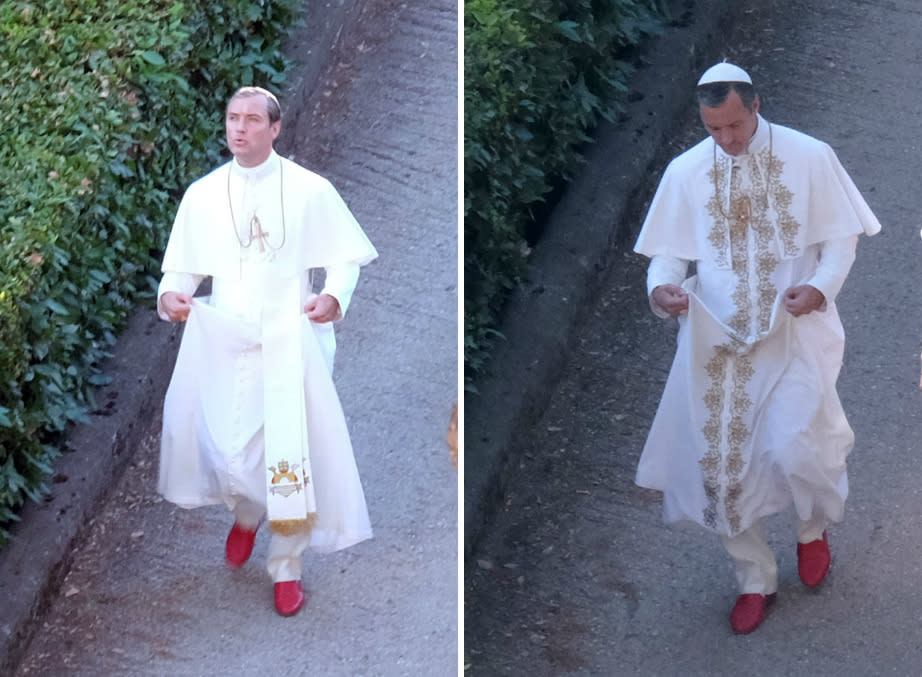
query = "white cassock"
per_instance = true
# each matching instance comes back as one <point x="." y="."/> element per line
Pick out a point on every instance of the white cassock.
<point x="251" y="416"/>
<point x="750" y="421"/>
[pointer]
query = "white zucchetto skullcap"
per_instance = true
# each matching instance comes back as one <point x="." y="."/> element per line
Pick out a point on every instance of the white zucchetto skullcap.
<point x="724" y="72"/>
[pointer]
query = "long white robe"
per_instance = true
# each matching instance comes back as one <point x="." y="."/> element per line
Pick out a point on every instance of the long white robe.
<point x="215" y="413"/>
<point x="750" y="420"/>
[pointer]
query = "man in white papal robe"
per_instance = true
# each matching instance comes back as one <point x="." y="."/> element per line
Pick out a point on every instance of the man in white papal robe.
<point x="251" y="417"/>
<point x="750" y="421"/>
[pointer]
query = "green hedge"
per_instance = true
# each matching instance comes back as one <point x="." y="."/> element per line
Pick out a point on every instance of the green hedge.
<point x="109" y="109"/>
<point x="538" y="74"/>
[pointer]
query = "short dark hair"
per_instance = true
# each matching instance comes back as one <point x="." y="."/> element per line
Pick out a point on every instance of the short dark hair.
<point x="714" y="94"/>
<point x="272" y="104"/>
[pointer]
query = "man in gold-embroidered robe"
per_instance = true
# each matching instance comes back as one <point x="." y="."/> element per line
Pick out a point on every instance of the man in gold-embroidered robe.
<point x="251" y="417"/>
<point x="750" y="421"/>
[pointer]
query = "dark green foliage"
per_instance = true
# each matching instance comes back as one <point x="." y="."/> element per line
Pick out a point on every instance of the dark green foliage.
<point x="538" y="74"/>
<point x="109" y="108"/>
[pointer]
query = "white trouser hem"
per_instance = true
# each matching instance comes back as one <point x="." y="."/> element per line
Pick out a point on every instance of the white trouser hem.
<point x="249" y="514"/>
<point x="284" y="561"/>
<point x="813" y="528"/>
<point x="754" y="562"/>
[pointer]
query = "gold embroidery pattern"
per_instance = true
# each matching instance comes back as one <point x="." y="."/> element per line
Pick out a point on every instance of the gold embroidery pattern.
<point x="293" y="526"/>
<point x="787" y="225"/>
<point x="747" y="233"/>
<point x="749" y="215"/>
<point x="741" y="219"/>
<point x="719" y="235"/>
<point x="711" y="461"/>
<point x="725" y="436"/>
<point x="766" y="262"/>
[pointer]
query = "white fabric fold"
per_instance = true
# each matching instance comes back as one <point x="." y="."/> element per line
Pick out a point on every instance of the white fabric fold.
<point x="209" y="422"/>
<point x="748" y="425"/>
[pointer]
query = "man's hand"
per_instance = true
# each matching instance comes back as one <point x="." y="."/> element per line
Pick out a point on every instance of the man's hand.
<point x="176" y="305"/>
<point x="671" y="299"/>
<point x="802" y="299"/>
<point x="323" y="308"/>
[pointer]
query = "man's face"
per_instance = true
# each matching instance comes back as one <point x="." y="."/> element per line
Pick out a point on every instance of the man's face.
<point x="731" y="124"/>
<point x="249" y="133"/>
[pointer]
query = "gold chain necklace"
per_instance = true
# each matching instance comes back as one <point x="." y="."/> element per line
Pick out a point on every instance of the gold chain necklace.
<point x="255" y="225"/>
<point x="768" y="173"/>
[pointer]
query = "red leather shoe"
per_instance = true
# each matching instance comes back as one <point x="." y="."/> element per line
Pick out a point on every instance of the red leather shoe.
<point x="289" y="597"/>
<point x="749" y="612"/>
<point x="239" y="545"/>
<point x="813" y="560"/>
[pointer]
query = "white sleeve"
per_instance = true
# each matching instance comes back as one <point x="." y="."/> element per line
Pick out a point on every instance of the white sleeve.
<point x="836" y="259"/>
<point x="184" y="283"/>
<point x="340" y="283"/>
<point x="664" y="270"/>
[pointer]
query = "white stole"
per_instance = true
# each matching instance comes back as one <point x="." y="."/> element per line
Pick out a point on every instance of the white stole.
<point x="710" y="408"/>
<point x="292" y="360"/>
<point x="292" y="506"/>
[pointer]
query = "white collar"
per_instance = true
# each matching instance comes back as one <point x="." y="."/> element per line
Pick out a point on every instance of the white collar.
<point x="760" y="139"/>
<point x="262" y="170"/>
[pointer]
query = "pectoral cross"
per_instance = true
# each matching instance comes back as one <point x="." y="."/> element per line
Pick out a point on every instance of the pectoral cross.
<point x="741" y="209"/>
<point x="740" y="217"/>
<point x="257" y="233"/>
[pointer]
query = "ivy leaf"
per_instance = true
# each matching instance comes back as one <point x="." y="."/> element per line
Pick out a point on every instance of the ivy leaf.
<point x="153" y="58"/>
<point x="568" y="28"/>
<point x="56" y="307"/>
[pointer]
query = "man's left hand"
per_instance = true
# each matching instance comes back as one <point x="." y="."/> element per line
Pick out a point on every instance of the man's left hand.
<point x="803" y="299"/>
<point x="322" y="308"/>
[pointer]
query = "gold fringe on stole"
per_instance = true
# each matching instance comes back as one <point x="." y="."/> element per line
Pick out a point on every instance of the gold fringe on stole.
<point x="292" y="527"/>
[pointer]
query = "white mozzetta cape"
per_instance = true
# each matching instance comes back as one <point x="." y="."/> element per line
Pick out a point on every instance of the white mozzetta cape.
<point x="811" y="198"/>
<point x="321" y="230"/>
<point x="750" y="421"/>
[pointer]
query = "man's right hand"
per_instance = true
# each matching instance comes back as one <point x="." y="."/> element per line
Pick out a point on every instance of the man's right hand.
<point x="176" y="306"/>
<point x="671" y="298"/>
